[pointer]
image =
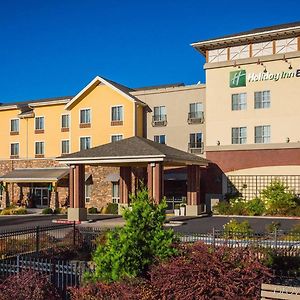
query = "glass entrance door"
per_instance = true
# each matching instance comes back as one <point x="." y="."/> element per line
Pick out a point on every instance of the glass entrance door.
<point x="41" y="196"/>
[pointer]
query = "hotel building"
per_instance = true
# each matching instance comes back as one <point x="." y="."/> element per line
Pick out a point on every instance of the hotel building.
<point x="243" y="120"/>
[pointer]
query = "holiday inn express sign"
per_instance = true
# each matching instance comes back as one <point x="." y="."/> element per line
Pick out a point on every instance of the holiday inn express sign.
<point x="240" y="78"/>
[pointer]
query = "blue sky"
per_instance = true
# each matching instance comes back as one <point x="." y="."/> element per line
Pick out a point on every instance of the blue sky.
<point x="54" y="47"/>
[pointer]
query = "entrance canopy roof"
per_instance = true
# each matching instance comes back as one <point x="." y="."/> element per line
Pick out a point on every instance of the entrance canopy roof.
<point x="35" y="175"/>
<point x="131" y="151"/>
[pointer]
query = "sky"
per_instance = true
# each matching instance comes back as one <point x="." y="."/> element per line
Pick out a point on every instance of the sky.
<point x="54" y="48"/>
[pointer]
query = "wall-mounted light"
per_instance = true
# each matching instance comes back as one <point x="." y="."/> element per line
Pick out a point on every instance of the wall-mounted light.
<point x="290" y="67"/>
<point x="218" y="143"/>
<point x="287" y="139"/>
<point x="265" y="70"/>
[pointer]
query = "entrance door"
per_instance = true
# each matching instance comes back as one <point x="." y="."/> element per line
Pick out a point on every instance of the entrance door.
<point x="41" y="196"/>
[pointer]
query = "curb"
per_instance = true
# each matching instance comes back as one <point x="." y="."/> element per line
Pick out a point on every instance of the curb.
<point x="256" y="217"/>
<point x="63" y="221"/>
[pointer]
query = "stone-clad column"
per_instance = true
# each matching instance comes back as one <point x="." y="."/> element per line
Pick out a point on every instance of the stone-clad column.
<point x="193" y="190"/>
<point x="155" y="181"/>
<point x="125" y="187"/>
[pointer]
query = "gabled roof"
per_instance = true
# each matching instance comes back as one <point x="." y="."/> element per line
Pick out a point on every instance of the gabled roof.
<point x="133" y="150"/>
<point x="263" y="33"/>
<point x="121" y="89"/>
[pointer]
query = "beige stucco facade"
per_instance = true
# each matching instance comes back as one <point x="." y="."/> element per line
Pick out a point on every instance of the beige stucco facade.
<point x="177" y="101"/>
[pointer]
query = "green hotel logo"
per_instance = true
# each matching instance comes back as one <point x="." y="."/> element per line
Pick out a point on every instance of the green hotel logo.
<point x="237" y="78"/>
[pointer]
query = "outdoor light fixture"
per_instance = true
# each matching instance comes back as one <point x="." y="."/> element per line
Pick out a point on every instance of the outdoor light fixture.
<point x="290" y="67"/>
<point x="265" y="70"/>
<point x="287" y="139"/>
<point x="218" y="143"/>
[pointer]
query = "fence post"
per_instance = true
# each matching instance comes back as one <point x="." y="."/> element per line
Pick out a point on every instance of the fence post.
<point x="37" y="239"/>
<point x="18" y="264"/>
<point x="173" y="198"/>
<point x="74" y="233"/>
<point x="214" y="238"/>
<point x="276" y="237"/>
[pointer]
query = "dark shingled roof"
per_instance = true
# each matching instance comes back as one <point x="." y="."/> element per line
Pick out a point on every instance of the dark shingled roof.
<point x="161" y="86"/>
<point x="256" y="30"/>
<point x="134" y="147"/>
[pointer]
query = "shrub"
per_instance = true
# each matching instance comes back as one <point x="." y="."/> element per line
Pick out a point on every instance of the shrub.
<point x="201" y="273"/>
<point x="278" y="198"/>
<point x="47" y="211"/>
<point x="237" y="229"/>
<point x="222" y="208"/>
<point x="255" y="207"/>
<point x="238" y="206"/>
<point x="130" y="250"/>
<point x="273" y="226"/>
<point x="92" y="210"/>
<point x="28" y="285"/>
<point x="13" y="210"/>
<point x="60" y="210"/>
<point x="112" y="208"/>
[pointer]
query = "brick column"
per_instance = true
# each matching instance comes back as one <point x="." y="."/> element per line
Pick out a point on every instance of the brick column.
<point x="125" y="184"/>
<point x="71" y="187"/>
<point x="155" y="181"/>
<point x="193" y="185"/>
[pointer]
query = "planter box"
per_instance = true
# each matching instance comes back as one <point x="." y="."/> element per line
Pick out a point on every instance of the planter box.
<point x="177" y="212"/>
<point x="182" y="211"/>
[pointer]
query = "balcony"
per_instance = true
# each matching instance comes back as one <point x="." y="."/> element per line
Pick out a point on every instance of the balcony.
<point x="196" y="147"/>
<point x="196" y="117"/>
<point x="159" y="120"/>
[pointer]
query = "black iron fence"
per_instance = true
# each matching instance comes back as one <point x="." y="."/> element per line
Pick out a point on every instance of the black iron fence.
<point x="33" y="240"/>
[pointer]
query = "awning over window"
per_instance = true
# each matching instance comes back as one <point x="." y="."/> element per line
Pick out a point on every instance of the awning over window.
<point x="35" y="175"/>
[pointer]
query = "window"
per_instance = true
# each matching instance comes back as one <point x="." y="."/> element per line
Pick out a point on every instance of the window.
<point x="115" y="192"/>
<point x="88" y="192"/>
<point x="85" y="116"/>
<point x="286" y="45"/>
<point x="262" y="134"/>
<point x="196" y="140"/>
<point x="261" y="49"/>
<point x="239" y="52"/>
<point x="117" y="113"/>
<point x="262" y="99"/>
<point x="239" y="135"/>
<point x="14" y="125"/>
<point x="160" y="139"/>
<point x="65" y="121"/>
<point x="196" y="110"/>
<point x="39" y="123"/>
<point x="239" y="101"/>
<point x="160" y="113"/>
<point x="85" y="143"/>
<point x="116" y="137"/>
<point x="39" y="148"/>
<point x="14" y="149"/>
<point x="217" y="55"/>
<point x="65" y="146"/>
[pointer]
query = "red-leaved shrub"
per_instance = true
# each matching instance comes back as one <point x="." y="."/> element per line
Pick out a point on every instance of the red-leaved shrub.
<point x="28" y="285"/>
<point x="201" y="273"/>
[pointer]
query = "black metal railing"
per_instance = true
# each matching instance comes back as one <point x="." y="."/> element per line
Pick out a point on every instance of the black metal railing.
<point x="196" y="147"/>
<point x="159" y="120"/>
<point x="196" y="117"/>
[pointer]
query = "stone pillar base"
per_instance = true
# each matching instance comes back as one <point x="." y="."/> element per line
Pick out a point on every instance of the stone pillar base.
<point x="77" y="214"/>
<point x="121" y="207"/>
<point x="194" y="210"/>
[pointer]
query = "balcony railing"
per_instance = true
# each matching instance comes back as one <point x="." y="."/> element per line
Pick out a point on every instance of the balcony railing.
<point x="196" y="117"/>
<point x="196" y="147"/>
<point x="159" y="120"/>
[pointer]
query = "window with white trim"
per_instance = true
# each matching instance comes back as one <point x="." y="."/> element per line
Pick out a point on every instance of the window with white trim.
<point x="117" y="113"/>
<point x="262" y="49"/>
<point x="160" y="113"/>
<point x="39" y="123"/>
<point x="115" y="192"/>
<point x="286" y="45"/>
<point x="160" y="139"/>
<point x="14" y="149"/>
<point x="262" y="134"/>
<point x="85" y="116"/>
<point x="85" y="143"/>
<point x="65" y="147"/>
<point x="217" y="55"/>
<point x="88" y="192"/>
<point x="196" y="140"/>
<point x="65" y="121"/>
<point x="116" y="137"/>
<point x="39" y="148"/>
<point x="262" y="99"/>
<point x="239" y="52"/>
<point x="239" y="135"/>
<point x="14" y="125"/>
<point x="239" y="101"/>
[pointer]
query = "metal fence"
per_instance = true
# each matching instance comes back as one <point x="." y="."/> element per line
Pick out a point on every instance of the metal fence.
<point x="63" y="274"/>
<point x="33" y="240"/>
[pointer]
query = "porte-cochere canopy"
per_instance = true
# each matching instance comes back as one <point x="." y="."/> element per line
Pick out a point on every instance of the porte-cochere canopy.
<point x="134" y="152"/>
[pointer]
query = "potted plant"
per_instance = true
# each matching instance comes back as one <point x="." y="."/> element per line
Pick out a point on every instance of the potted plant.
<point x="177" y="210"/>
<point x="182" y="209"/>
